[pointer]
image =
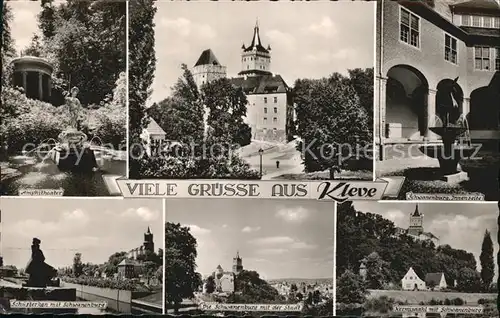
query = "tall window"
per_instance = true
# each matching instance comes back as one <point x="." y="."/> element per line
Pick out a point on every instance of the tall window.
<point x="487" y="22"/>
<point x="275" y="120"/>
<point x="482" y="58"/>
<point x="497" y="59"/>
<point x="265" y="110"/>
<point x="275" y="110"/>
<point x="466" y="20"/>
<point x="496" y="22"/>
<point x="450" y="49"/>
<point x="275" y="99"/>
<point x="409" y="28"/>
<point x="476" y="21"/>
<point x="265" y="100"/>
<point x="265" y="120"/>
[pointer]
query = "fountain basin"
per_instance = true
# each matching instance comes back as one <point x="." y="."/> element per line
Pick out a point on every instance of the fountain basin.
<point x="22" y="160"/>
<point x="448" y="160"/>
<point x="78" y="159"/>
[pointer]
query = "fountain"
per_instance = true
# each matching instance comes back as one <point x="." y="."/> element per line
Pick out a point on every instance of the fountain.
<point x="450" y="125"/>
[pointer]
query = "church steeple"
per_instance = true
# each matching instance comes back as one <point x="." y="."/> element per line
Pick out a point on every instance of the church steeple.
<point x="416" y="213"/>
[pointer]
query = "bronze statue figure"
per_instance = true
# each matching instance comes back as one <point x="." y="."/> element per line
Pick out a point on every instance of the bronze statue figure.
<point x="74" y="108"/>
<point x="40" y="273"/>
<point x="448" y="99"/>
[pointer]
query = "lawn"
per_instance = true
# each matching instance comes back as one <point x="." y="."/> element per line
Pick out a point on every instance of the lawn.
<point x="415" y="297"/>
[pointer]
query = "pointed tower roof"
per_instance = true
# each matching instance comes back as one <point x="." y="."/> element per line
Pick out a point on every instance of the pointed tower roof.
<point x="149" y="231"/>
<point x="219" y="267"/>
<point x="207" y="57"/>
<point x="256" y="43"/>
<point x="237" y="254"/>
<point x="416" y="213"/>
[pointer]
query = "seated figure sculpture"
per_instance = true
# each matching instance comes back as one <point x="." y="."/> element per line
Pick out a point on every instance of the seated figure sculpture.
<point x="40" y="273"/>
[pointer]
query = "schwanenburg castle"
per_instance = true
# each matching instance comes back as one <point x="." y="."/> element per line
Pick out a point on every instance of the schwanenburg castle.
<point x="422" y="45"/>
<point x="269" y="108"/>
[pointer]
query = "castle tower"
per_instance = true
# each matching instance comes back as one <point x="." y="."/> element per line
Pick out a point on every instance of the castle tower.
<point x="237" y="264"/>
<point x="207" y="68"/>
<point x="148" y="244"/>
<point x="416" y="223"/>
<point x="255" y="59"/>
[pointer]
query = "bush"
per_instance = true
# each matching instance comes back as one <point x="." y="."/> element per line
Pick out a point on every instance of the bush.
<point x="104" y="283"/>
<point x="383" y="304"/>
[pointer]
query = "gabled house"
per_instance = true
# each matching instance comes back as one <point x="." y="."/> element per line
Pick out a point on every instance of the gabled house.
<point x="411" y="281"/>
<point x="435" y="281"/>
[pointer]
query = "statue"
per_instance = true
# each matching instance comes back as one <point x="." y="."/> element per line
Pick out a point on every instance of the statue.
<point x="40" y="273"/>
<point x="448" y="103"/>
<point x="74" y="108"/>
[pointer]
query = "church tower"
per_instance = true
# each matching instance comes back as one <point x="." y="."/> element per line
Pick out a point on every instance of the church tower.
<point x="416" y="223"/>
<point x="148" y="244"/>
<point x="237" y="264"/>
<point x="207" y="68"/>
<point x="255" y="59"/>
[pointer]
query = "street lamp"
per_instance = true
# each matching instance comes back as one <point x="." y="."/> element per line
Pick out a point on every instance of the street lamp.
<point x="260" y="166"/>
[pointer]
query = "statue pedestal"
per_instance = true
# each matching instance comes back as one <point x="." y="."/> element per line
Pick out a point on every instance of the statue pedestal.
<point x="456" y="177"/>
<point x="73" y="153"/>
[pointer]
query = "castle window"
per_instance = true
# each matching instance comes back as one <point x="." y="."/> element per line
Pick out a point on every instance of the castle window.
<point x="487" y="22"/>
<point x="265" y="110"/>
<point x="450" y="49"/>
<point x="496" y="22"/>
<point x="265" y="120"/>
<point x="466" y="20"/>
<point x="497" y="59"/>
<point x="275" y="109"/>
<point x="275" y="120"/>
<point x="409" y="28"/>
<point x="275" y="99"/>
<point x="476" y="21"/>
<point x="265" y="100"/>
<point x="481" y="58"/>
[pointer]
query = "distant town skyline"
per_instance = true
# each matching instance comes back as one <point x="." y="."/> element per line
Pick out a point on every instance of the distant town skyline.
<point x="308" y="40"/>
<point x="277" y="239"/>
<point x="460" y="225"/>
<point x="95" y="228"/>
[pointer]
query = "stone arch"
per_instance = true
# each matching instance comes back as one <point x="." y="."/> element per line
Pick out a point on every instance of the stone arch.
<point x="406" y="103"/>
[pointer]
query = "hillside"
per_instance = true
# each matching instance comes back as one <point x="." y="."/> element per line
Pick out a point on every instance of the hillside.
<point x="361" y="235"/>
<point x="297" y="281"/>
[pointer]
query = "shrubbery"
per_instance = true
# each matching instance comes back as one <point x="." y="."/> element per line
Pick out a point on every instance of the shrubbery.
<point x="104" y="282"/>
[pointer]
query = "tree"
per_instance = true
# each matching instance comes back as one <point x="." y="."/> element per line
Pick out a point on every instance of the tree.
<point x="111" y="266"/>
<point x="469" y="281"/>
<point x="8" y="50"/>
<point x="316" y="297"/>
<point x="150" y="269"/>
<point x="77" y="265"/>
<point x="226" y="105"/>
<point x="210" y="285"/>
<point x="181" y="279"/>
<point x="326" y="110"/>
<point x="299" y="296"/>
<point x="362" y="82"/>
<point x="350" y="289"/>
<point x="375" y="271"/>
<point x="142" y="65"/>
<point x="47" y="19"/>
<point x="293" y="288"/>
<point x="487" y="261"/>
<point x="35" y="47"/>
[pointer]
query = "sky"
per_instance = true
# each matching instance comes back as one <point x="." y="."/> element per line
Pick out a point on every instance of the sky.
<point x="460" y="225"/>
<point x="96" y="228"/>
<point x="24" y="23"/>
<point x="308" y="40"/>
<point x="277" y="239"/>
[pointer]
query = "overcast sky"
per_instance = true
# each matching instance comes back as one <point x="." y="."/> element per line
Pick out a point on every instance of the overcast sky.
<point x="308" y="39"/>
<point x="460" y="225"/>
<point x="277" y="239"/>
<point x="24" y="23"/>
<point x="96" y="228"/>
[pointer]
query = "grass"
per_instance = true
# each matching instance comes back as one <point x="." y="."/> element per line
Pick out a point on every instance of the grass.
<point x="415" y="297"/>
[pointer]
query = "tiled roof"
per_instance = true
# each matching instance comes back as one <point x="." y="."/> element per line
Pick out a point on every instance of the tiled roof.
<point x="481" y="31"/>
<point x="264" y="84"/>
<point x="477" y="4"/>
<point x="126" y="261"/>
<point x="207" y="57"/>
<point x="433" y="278"/>
<point x="154" y="129"/>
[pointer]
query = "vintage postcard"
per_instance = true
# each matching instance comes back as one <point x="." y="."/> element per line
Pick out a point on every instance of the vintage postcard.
<point x="225" y="257"/>
<point x="437" y="126"/>
<point x="81" y="256"/>
<point x="64" y="95"/>
<point x="417" y="260"/>
<point x="259" y="91"/>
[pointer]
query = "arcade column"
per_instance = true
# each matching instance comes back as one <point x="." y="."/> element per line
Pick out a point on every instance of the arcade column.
<point x="380" y="114"/>
<point x="431" y="115"/>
